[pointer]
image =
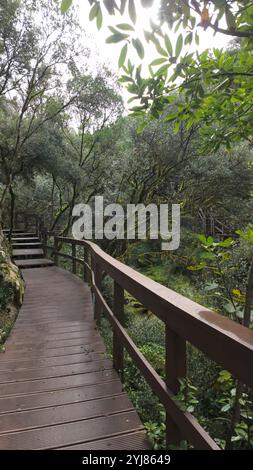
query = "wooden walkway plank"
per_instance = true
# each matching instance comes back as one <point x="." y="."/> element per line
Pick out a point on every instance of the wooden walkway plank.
<point x="28" y="263"/>
<point x="20" y="421"/>
<point x="88" y="430"/>
<point x="28" y="252"/>
<point x="60" y="397"/>
<point x="54" y="371"/>
<point x="57" y="388"/>
<point x="56" y="352"/>
<point x="37" y="364"/>
<point x="134" y="441"/>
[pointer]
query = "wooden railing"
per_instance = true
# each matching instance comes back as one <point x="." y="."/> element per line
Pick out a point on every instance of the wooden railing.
<point x="222" y="340"/>
<point x="210" y="225"/>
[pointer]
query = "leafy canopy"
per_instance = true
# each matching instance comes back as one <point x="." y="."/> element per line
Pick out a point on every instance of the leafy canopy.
<point x="215" y="86"/>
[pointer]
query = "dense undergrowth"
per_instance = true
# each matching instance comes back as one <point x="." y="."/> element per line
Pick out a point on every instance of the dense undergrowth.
<point x="208" y="392"/>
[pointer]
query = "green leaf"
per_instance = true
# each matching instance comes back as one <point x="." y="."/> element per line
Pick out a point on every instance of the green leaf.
<point x="139" y="47"/>
<point x="110" y="5"/>
<point x="116" y="38"/>
<point x="132" y="11"/>
<point x="65" y="4"/>
<point x="206" y="241"/>
<point x="229" y="308"/>
<point x="190" y="408"/>
<point x="168" y="44"/>
<point x="125" y="78"/>
<point x="211" y="286"/>
<point x="113" y="30"/>
<point x="176" y="128"/>
<point x="162" y="70"/>
<point x="132" y="99"/>
<point x="123" y="55"/>
<point x="207" y="255"/>
<point x="247" y="235"/>
<point x="178" y="25"/>
<point x="99" y="18"/>
<point x="94" y="11"/>
<point x="226" y="407"/>
<point x="158" y="61"/>
<point x="125" y="27"/>
<point x="122" y="6"/>
<point x="149" y="36"/>
<point x="224" y="376"/>
<point x="196" y="267"/>
<point x="171" y="117"/>
<point x="160" y="49"/>
<point x="141" y="128"/>
<point x="226" y="243"/>
<point x="179" y="45"/>
<point x="188" y="38"/>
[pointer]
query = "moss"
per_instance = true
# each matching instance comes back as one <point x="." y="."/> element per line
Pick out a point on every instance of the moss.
<point x="11" y="291"/>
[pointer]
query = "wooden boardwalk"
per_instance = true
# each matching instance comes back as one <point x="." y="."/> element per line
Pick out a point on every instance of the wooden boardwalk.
<point x="57" y="388"/>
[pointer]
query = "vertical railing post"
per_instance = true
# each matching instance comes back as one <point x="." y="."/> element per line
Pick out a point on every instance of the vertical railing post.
<point x="73" y="258"/>
<point x="45" y="242"/>
<point x="118" y="310"/>
<point x="175" y="366"/>
<point x="56" y="245"/>
<point x="38" y="228"/>
<point x="41" y="231"/>
<point x="98" y="282"/>
<point x="85" y="258"/>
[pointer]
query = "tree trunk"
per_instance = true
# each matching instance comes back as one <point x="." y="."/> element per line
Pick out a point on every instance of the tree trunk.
<point x="13" y="197"/>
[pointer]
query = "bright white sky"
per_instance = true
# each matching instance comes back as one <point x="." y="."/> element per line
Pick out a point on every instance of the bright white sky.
<point x="109" y="53"/>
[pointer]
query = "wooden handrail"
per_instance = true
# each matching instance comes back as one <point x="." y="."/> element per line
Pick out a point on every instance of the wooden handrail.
<point x="224" y="341"/>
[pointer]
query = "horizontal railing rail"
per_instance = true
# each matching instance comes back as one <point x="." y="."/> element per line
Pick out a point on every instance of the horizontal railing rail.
<point x="227" y="343"/>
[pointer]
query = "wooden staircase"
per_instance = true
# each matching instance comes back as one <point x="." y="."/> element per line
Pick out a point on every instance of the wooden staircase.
<point x="27" y="250"/>
<point x="211" y="226"/>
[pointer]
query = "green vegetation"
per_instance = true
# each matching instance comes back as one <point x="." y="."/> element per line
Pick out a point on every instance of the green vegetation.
<point x="11" y="292"/>
<point x="65" y="137"/>
<point x="208" y="392"/>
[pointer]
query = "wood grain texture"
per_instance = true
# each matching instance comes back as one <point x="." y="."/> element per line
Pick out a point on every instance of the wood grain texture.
<point x="57" y="388"/>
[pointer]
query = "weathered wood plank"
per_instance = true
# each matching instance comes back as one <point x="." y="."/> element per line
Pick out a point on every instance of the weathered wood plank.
<point x="60" y="397"/>
<point x="133" y="441"/>
<point x="66" y="434"/>
<point x="19" y="421"/>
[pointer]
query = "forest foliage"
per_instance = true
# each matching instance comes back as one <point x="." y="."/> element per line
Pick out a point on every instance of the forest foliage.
<point x="65" y="137"/>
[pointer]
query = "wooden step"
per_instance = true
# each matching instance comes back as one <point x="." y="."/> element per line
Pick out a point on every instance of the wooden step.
<point x="25" y="240"/>
<point x="33" y="263"/>
<point x="24" y="234"/>
<point x="28" y="253"/>
<point x="26" y="245"/>
<point x="7" y="230"/>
